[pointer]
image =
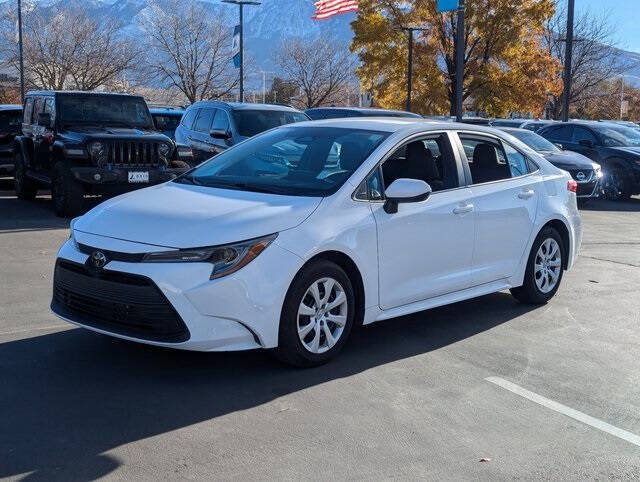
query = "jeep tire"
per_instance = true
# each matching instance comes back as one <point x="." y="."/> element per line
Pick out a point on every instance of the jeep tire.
<point x="66" y="193"/>
<point x="25" y="187"/>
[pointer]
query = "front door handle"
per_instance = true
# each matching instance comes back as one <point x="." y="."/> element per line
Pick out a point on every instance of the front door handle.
<point x="526" y="194"/>
<point x="462" y="209"/>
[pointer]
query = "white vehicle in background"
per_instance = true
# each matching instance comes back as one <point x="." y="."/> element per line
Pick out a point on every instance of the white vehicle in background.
<point x="235" y="255"/>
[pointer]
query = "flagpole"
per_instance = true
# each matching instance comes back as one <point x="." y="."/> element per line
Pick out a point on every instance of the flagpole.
<point x="20" y="51"/>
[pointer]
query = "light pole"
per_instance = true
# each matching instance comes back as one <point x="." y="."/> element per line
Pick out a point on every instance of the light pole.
<point x="567" y="62"/>
<point x="459" y="60"/>
<point x="20" y="51"/>
<point x="241" y="4"/>
<point x="410" y="31"/>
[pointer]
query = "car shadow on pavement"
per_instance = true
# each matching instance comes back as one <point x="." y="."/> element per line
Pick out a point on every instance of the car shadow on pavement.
<point x="70" y="396"/>
<point x="629" y="205"/>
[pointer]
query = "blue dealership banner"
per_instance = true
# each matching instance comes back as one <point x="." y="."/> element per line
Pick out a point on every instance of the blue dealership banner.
<point x="235" y="47"/>
<point x="447" y="5"/>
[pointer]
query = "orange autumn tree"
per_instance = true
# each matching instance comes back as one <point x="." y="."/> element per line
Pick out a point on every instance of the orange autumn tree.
<point x="506" y="67"/>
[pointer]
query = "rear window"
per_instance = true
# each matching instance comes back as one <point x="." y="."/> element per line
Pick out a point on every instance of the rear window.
<point x="252" y="122"/>
<point x="10" y="121"/>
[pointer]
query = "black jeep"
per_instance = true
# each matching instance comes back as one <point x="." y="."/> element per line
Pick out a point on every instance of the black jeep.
<point x="86" y="143"/>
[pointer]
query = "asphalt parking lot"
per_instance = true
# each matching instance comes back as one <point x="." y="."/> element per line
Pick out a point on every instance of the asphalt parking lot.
<point x="427" y="396"/>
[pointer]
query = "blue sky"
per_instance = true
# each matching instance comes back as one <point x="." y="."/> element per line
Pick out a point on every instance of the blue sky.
<point x="625" y="16"/>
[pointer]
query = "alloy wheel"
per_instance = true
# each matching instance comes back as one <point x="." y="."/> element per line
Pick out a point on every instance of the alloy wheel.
<point x="548" y="264"/>
<point x="322" y="315"/>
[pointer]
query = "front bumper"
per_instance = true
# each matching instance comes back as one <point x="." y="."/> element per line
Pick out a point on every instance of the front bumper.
<point x="238" y="312"/>
<point x="119" y="176"/>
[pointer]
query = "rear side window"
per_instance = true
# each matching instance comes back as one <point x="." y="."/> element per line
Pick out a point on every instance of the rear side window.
<point x="189" y="117"/>
<point x="487" y="159"/>
<point x="28" y="109"/>
<point x="204" y="120"/>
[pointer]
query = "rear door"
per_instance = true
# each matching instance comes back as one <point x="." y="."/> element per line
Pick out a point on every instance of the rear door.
<point x="505" y="190"/>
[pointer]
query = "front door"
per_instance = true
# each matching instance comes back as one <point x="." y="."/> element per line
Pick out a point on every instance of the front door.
<point x="425" y="249"/>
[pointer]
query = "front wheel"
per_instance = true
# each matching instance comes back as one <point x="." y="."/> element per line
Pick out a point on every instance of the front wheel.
<point x="25" y="187"/>
<point x="616" y="186"/>
<point x="66" y="193"/>
<point x="317" y="315"/>
<point x="544" y="269"/>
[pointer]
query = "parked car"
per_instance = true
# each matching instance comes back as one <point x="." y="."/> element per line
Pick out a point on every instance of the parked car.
<point x="529" y="124"/>
<point x="10" y="121"/>
<point x="341" y="112"/>
<point x="616" y="148"/>
<point x="166" y="119"/>
<point x="210" y="127"/>
<point x="79" y="143"/>
<point x="478" y="121"/>
<point x="586" y="172"/>
<point x="237" y="254"/>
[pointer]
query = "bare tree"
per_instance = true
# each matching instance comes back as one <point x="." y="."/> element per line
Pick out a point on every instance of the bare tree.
<point x="189" y="48"/>
<point x="69" y="49"/>
<point x="320" y="69"/>
<point x="596" y="61"/>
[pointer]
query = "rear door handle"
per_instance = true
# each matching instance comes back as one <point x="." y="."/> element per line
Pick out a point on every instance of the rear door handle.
<point x="526" y="194"/>
<point x="465" y="208"/>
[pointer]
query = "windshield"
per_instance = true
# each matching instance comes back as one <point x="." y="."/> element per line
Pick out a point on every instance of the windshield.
<point x="631" y="136"/>
<point x="298" y="161"/>
<point x="101" y="110"/>
<point x="252" y="122"/>
<point x="166" y="122"/>
<point x="10" y="121"/>
<point x="534" y="141"/>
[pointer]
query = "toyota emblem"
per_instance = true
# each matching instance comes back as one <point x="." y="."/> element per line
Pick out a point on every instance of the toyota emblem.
<point x="580" y="176"/>
<point x="98" y="259"/>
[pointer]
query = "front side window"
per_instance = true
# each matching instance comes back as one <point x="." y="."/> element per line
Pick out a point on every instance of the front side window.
<point x="430" y="160"/>
<point x="298" y="161"/>
<point x="252" y="122"/>
<point x="37" y="108"/>
<point x="582" y="134"/>
<point x="220" y="121"/>
<point x="103" y="110"/>
<point x="487" y="159"/>
<point x="204" y="120"/>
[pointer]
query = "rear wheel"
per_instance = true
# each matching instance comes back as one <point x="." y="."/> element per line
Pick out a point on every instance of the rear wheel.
<point x="544" y="269"/>
<point x="317" y="315"/>
<point x="25" y="187"/>
<point x="66" y="193"/>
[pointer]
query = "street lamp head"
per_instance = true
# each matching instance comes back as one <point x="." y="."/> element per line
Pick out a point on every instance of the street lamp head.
<point x="242" y="2"/>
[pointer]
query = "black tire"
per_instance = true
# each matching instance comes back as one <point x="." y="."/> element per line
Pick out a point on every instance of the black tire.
<point x="290" y="347"/>
<point x="25" y="187"/>
<point x="616" y="185"/>
<point x="66" y="193"/>
<point x="529" y="292"/>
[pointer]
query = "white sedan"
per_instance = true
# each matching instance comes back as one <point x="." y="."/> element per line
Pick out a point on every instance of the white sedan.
<point x="240" y="254"/>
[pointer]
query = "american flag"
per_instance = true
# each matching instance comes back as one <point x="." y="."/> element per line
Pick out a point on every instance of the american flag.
<point x="329" y="8"/>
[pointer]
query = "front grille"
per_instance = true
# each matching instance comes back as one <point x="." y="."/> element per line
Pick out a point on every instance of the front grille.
<point x="133" y="154"/>
<point x="117" y="302"/>
<point x="587" y="175"/>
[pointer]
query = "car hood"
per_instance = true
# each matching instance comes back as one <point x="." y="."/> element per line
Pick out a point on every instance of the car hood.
<point x="112" y="133"/>
<point x="183" y="216"/>
<point x="568" y="160"/>
<point x="628" y="150"/>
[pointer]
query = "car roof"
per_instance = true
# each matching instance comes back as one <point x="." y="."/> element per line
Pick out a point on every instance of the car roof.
<point x="514" y="129"/>
<point x="166" y="110"/>
<point x="394" y="124"/>
<point x="244" y="105"/>
<point x="367" y="110"/>
<point x="10" y="107"/>
<point x="79" y="92"/>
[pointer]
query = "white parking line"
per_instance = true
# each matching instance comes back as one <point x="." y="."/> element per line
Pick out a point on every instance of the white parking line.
<point x="563" y="409"/>
<point x="40" y="328"/>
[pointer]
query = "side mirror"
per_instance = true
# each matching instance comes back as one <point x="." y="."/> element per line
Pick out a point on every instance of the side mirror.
<point x="405" y="191"/>
<point x="558" y="145"/>
<point x="586" y="143"/>
<point x="44" y="119"/>
<point x="220" y="134"/>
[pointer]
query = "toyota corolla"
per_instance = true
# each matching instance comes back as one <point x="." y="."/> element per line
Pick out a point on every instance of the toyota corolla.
<point x="290" y="239"/>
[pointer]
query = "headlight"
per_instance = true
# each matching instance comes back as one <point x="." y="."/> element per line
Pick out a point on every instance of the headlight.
<point x="597" y="169"/>
<point x="163" y="151"/>
<point x="72" y="236"/>
<point x="226" y="259"/>
<point x="98" y="152"/>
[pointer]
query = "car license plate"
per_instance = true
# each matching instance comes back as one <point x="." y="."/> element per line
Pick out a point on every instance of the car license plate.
<point x="138" y="176"/>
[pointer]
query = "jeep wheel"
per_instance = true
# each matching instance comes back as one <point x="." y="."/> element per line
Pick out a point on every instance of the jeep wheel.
<point x="25" y="188"/>
<point x="67" y="194"/>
